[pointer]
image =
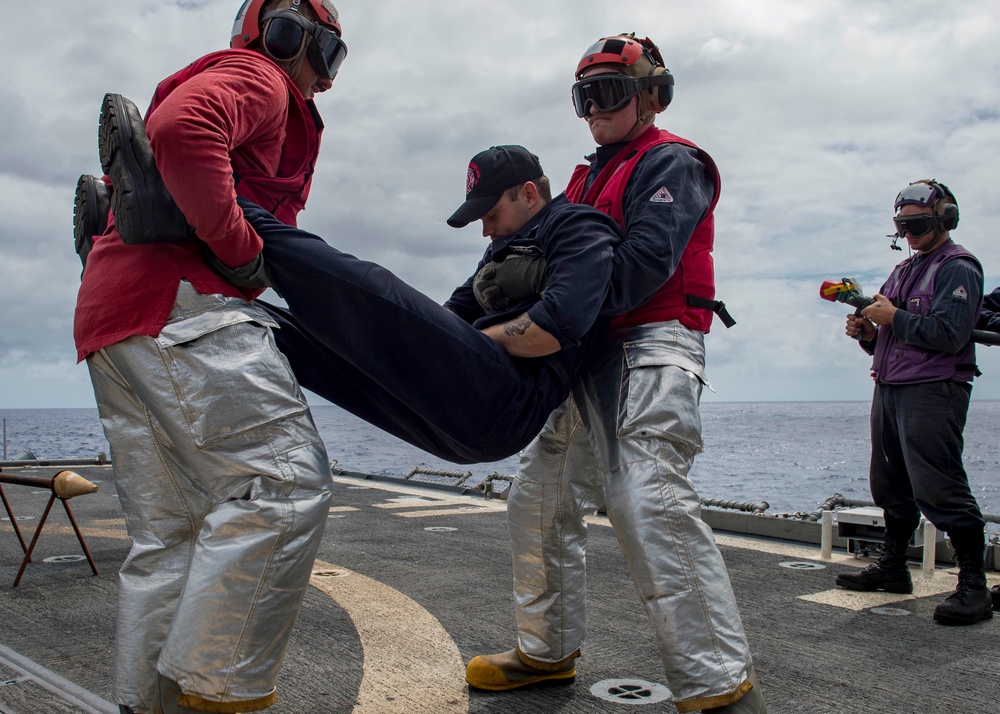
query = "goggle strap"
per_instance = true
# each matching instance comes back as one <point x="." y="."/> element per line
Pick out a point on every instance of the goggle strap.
<point x="658" y="80"/>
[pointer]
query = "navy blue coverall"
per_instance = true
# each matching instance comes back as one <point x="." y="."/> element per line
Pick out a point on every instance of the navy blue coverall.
<point x="357" y="335"/>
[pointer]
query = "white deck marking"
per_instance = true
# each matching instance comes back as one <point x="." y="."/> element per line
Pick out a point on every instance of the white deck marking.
<point x="411" y="662"/>
<point x="941" y="581"/>
<point x="923" y="586"/>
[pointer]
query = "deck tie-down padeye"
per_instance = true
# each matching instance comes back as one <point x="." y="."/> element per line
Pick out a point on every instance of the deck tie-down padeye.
<point x="64" y="486"/>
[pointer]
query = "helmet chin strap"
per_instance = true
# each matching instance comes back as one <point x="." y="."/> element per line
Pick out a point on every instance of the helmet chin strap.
<point x="642" y="122"/>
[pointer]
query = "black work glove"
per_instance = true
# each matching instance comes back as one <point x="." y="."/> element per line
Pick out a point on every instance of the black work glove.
<point x="498" y="286"/>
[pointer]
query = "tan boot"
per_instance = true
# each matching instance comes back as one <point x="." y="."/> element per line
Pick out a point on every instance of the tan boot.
<point x="751" y="701"/>
<point x="513" y="669"/>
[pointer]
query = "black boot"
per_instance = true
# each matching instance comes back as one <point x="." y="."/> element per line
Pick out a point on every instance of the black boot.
<point x="889" y="572"/>
<point x="91" y="205"/>
<point x="971" y="602"/>
<point x="995" y="594"/>
<point x="144" y="210"/>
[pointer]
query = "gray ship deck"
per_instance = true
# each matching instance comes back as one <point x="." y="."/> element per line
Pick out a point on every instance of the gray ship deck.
<point x="412" y="582"/>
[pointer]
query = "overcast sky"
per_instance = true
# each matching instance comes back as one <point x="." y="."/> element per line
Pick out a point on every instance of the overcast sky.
<point x="817" y="114"/>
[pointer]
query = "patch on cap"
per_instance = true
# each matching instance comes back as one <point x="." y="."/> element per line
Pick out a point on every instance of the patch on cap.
<point x="490" y="173"/>
<point x="473" y="178"/>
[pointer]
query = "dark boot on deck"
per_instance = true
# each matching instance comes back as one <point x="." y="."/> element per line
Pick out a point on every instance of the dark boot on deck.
<point x="889" y="572"/>
<point x="995" y="594"/>
<point x="972" y="601"/>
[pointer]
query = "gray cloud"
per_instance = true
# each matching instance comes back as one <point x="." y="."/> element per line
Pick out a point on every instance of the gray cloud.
<point x="817" y="114"/>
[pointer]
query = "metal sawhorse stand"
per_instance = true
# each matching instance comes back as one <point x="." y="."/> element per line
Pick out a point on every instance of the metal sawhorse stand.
<point x="64" y="486"/>
<point x="13" y="521"/>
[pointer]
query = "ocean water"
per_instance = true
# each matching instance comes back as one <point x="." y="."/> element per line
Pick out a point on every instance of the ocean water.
<point x="793" y="455"/>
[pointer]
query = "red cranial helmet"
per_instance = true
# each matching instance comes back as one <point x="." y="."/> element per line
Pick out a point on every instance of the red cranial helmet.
<point x="285" y="33"/>
<point x="246" y="27"/>
<point x="636" y="58"/>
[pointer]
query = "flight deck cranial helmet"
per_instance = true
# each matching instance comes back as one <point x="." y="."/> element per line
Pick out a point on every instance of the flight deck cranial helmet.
<point x="283" y="34"/>
<point x="926" y="193"/>
<point x="641" y="70"/>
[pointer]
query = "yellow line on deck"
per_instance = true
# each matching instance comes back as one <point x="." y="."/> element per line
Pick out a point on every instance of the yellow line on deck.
<point x="421" y="671"/>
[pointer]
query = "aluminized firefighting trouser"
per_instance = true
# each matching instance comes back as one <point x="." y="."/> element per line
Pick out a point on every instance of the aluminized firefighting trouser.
<point x="225" y="487"/>
<point x="627" y="439"/>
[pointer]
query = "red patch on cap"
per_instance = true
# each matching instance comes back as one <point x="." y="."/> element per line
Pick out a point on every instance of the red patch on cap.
<point x="471" y="179"/>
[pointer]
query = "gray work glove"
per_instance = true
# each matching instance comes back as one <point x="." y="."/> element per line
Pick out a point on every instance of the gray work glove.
<point x="498" y="286"/>
<point x="249" y="275"/>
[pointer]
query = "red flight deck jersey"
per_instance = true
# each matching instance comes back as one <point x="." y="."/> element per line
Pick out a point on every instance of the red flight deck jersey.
<point x="230" y="123"/>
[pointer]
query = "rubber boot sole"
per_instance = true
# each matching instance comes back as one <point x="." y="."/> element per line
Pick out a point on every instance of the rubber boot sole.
<point x="953" y="621"/>
<point x="547" y="680"/>
<point x="143" y="208"/>
<point x="91" y="203"/>
<point x="898" y="588"/>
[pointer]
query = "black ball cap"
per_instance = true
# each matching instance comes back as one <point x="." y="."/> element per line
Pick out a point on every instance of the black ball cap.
<point x="492" y="172"/>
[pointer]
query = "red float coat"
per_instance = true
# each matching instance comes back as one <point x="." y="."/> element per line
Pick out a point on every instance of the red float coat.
<point x="695" y="274"/>
<point x="230" y="123"/>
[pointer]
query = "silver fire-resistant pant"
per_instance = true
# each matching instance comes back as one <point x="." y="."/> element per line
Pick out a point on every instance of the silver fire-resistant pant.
<point x="627" y="439"/>
<point x="225" y="487"/>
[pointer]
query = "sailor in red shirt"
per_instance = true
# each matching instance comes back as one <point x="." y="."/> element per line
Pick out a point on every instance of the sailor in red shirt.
<point x="222" y="477"/>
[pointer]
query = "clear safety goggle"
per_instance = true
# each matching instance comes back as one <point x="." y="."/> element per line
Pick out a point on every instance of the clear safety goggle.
<point x="286" y="32"/>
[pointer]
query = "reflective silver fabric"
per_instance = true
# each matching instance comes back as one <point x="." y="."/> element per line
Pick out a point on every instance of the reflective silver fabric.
<point x="225" y="486"/>
<point x="627" y="439"/>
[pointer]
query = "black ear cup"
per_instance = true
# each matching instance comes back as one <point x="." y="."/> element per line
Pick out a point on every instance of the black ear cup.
<point x="949" y="214"/>
<point x="949" y="218"/>
<point x="665" y="92"/>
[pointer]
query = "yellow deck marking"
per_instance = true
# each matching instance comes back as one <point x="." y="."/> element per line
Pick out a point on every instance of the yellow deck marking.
<point x="60" y="529"/>
<point x="427" y="506"/>
<point x="411" y="662"/>
<point x="441" y="512"/>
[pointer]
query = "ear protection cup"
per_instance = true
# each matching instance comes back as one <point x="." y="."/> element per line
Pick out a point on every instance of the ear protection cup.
<point x="949" y="217"/>
<point x="282" y="46"/>
<point x="664" y="93"/>
<point x="947" y="211"/>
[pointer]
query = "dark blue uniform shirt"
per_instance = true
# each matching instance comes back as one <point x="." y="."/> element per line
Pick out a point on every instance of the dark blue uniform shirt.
<point x="578" y="245"/>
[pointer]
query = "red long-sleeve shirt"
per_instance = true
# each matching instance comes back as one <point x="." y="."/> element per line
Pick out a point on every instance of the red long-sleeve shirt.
<point x="231" y="122"/>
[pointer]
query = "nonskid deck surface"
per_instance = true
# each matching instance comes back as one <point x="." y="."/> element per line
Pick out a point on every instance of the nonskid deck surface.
<point x="411" y="583"/>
